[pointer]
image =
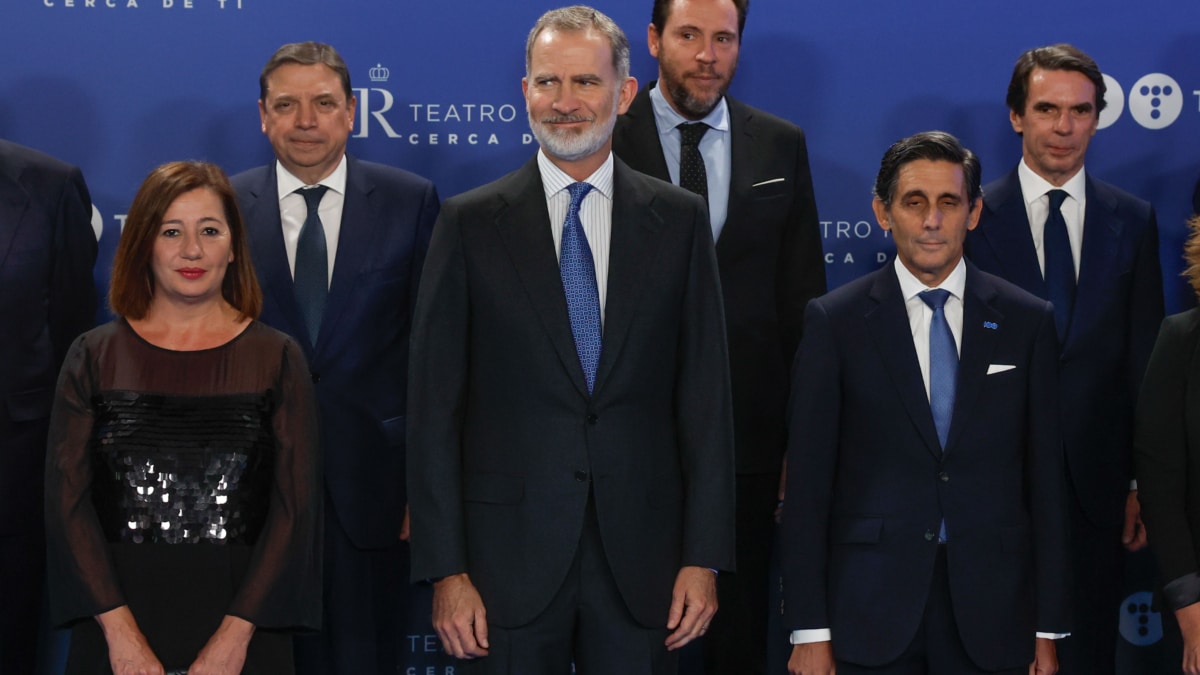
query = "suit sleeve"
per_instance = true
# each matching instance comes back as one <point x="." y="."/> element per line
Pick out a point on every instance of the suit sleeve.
<point x="430" y="205"/>
<point x="801" y="259"/>
<point x="438" y="372"/>
<point x="814" y="420"/>
<point x="1046" y="478"/>
<point x="1161" y="463"/>
<point x="704" y="411"/>
<point x="1146" y="305"/>
<point x="72" y="308"/>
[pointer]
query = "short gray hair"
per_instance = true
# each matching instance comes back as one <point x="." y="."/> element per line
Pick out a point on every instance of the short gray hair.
<point x="578" y="18"/>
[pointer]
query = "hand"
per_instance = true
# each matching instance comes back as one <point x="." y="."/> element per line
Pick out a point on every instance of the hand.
<point x="459" y="617"/>
<point x="1189" y="626"/>
<point x="693" y="604"/>
<point x="782" y="492"/>
<point x="404" y="529"/>
<point x="813" y="658"/>
<point x="128" y="651"/>
<point x="1134" y="536"/>
<point x="225" y="651"/>
<point x="1045" y="658"/>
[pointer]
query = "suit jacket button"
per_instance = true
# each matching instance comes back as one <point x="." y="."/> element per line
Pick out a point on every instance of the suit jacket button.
<point x="581" y="476"/>
<point x="930" y="535"/>
<point x="944" y="477"/>
<point x="316" y="378"/>
<point x="592" y="419"/>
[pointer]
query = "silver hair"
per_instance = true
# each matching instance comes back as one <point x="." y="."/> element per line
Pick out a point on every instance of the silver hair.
<point x="581" y="18"/>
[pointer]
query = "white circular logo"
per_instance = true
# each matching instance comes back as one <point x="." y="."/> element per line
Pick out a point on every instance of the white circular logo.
<point x="97" y="222"/>
<point x="1114" y="102"/>
<point x="1140" y="626"/>
<point x="1155" y="101"/>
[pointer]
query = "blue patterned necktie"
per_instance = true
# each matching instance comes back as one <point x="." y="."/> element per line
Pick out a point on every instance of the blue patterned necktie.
<point x="943" y="371"/>
<point x="311" y="279"/>
<point x="943" y="363"/>
<point x="1059" y="264"/>
<point x="579" y="284"/>
<point x="692" y="174"/>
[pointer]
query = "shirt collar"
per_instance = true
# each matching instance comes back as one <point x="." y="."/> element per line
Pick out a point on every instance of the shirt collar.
<point x="1034" y="187"/>
<point x="667" y="118"/>
<point x="287" y="183"/>
<point x="910" y="286"/>
<point x="555" y="180"/>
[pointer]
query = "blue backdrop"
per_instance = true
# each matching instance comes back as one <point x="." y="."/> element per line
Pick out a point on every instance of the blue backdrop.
<point x="120" y="86"/>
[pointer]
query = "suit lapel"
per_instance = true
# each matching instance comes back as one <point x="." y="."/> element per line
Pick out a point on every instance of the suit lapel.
<point x="14" y="203"/>
<point x="1009" y="236"/>
<point x="355" y="235"/>
<point x="888" y="325"/>
<point x="1102" y="231"/>
<point x="741" y="139"/>
<point x="270" y="257"/>
<point x="978" y="344"/>
<point x="523" y="223"/>
<point x="641" y="146"/>
<point x="635" y="221"/>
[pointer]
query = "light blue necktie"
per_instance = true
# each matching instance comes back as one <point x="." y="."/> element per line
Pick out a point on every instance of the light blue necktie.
<point x="943" y="370"/>
<point x="1059" y="263"/>
<point x="579" y="283"/>
<point x="311" y="278"/>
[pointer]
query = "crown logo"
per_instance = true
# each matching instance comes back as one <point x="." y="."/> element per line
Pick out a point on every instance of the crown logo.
<point x="379" y="73"/>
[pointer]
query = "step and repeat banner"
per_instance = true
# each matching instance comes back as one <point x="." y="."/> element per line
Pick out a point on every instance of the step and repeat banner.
<point x="120" y="86"/>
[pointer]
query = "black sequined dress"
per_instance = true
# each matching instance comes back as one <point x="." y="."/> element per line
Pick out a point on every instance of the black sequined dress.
<point x="186" y="485"/>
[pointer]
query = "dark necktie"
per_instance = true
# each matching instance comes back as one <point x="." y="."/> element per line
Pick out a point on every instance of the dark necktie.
<point x="1059" y="264"/>
<point x="692" y="175"/>
<point x="311" y="279"/>
<point x="579" y="284"/>
<point x="943" y="371"/>
<point x="943" y="363"/>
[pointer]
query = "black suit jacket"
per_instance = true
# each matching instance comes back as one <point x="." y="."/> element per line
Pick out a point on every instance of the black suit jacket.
<point x="360" y="362"/>
<point x="1118" y="308"/>
<point x="769" y="256"/>
<point x="1167" y="454"/>
<point x="505" y="443"/>
<point x="868" y="481"/>
<point x="47" y="298"/>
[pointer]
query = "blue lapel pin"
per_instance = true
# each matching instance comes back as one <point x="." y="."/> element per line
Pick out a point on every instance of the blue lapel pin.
<point x="991" y="325"/>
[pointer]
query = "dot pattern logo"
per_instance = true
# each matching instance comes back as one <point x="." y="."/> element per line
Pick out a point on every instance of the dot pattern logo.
<point x="1155" y="101"/>
<point x="1140" y="626"/>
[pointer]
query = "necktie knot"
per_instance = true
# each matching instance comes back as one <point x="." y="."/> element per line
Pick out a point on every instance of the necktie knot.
<point x="1057" y="197"/>
<point x="692" y="132"/>
<point x="935" y="297"/>
<point x="578" y="192"/>
<point x="312" y="196"/>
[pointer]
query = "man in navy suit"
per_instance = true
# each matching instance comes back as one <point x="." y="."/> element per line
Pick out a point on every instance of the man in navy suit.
<point x="571" y="445"/>
<point x="47" y="298"/>
<point x="764" y="221"/>
<point x="372" y="225"/>
<point x="1092" y="249"/>
<point x="924" y="530"/>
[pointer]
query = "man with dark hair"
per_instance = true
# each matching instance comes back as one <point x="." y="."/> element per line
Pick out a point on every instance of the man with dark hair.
<point x="47" y="298"/>
<point x="752" y="167"/>
<point x="1092" y="250"/>
<point x="924" y="530"/>
<point x="570" y="440"/>
<point x="338" y="245"/>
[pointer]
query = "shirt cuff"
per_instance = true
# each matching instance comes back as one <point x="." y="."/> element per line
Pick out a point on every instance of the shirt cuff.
<point x="803" y="637"/>
<point x="1133" y="485"/>
<point x="1052" y="636"/>
<point x="1181" y="592"/>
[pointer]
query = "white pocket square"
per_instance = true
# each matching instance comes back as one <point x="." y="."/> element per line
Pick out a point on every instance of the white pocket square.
<point x="767" y="182"/>
<point x="998" y="368"/>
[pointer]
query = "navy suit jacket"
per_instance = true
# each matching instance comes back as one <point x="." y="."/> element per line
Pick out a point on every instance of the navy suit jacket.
<point x="47" y="298"/>
<point x="868" y="482"/>
<point x="360" y="361"/>
<point x="1118" y="309"/>
<point x="506" y="444"/>
<point x="769" y="256"/>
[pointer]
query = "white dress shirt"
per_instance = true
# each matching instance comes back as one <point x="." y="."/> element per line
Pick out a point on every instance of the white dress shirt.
<point x="595" y="213"/>
<point x="293" y="210"/>
<point x="1037" y="208"/>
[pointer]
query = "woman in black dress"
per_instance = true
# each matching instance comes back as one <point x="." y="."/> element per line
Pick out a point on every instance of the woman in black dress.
<point x="182" y="483"/>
